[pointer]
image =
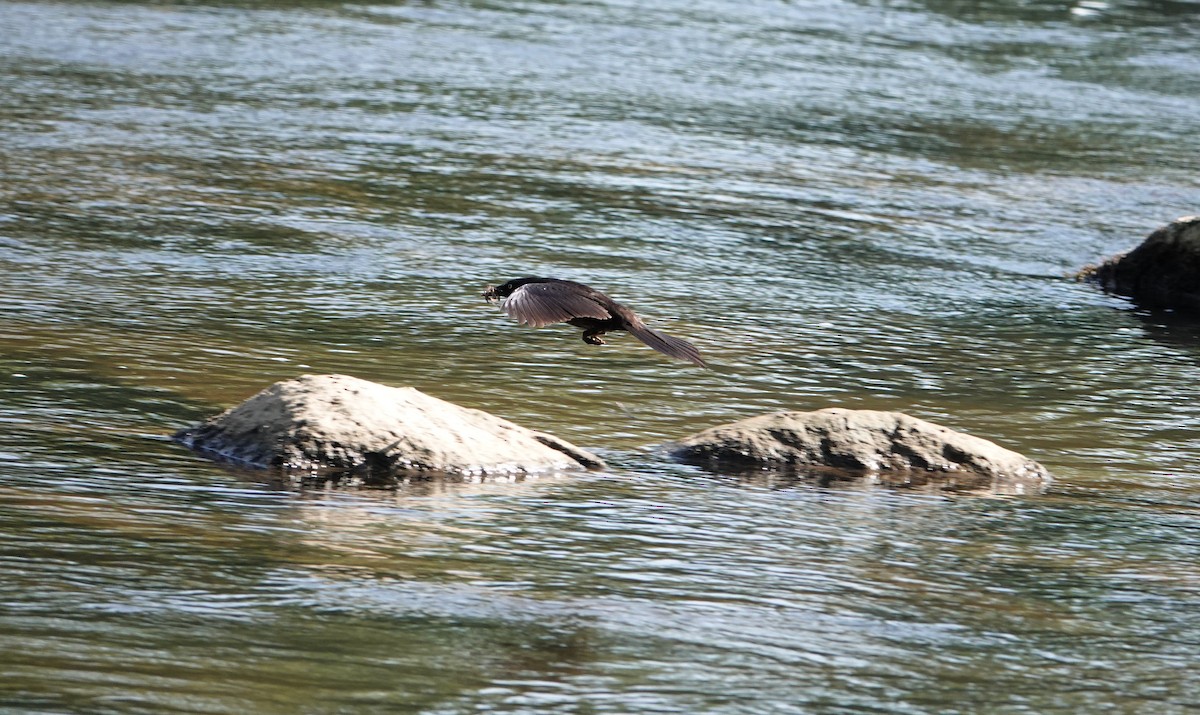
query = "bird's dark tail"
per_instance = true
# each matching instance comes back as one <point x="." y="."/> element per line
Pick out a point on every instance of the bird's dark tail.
<point x="667" y="345"/>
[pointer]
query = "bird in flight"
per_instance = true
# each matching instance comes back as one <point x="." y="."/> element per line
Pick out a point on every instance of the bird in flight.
<point x="543" y="301"/>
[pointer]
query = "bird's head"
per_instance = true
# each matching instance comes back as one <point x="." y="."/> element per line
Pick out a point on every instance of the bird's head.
<point x="495" y="293"/>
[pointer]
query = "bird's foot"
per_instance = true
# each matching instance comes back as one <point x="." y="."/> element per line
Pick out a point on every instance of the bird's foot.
<point x="593" y="339"/>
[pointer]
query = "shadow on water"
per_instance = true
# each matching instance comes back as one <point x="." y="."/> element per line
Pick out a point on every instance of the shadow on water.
<point x="1177" y="330"/>
<point x="957" y="485"/>
<point x="1116" y="12"/>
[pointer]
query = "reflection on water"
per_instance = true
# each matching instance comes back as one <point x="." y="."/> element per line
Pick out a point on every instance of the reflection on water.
<point x="853" y="204"/>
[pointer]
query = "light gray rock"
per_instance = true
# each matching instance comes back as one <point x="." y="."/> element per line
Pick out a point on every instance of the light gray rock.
<point x="337" y="422"/>
<point x="903" y="449"/>
<point x="1162" y="272"/>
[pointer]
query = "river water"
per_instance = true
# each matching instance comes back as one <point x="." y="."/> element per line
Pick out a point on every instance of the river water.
<point x="868" y="204"/>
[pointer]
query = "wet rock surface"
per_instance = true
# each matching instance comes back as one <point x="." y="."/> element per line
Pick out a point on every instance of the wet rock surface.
<point x="1162" y="272"/>
<point x="857" y="442"/>
<point x="338" y="422"/>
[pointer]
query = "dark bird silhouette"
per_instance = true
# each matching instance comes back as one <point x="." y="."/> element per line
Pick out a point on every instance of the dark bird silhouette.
<point x="543" y="301"/>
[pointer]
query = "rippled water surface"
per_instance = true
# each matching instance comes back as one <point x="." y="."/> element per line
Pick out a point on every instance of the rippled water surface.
<point x="858" y="204"/>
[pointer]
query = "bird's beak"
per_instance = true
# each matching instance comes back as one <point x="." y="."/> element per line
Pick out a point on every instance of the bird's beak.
<point x="489" y="294"/>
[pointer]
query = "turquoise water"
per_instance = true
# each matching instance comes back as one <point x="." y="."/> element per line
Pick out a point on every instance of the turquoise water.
<point x="868" y="205"/>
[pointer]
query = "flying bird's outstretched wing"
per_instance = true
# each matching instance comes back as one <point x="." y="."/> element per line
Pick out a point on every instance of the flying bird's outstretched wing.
<point x="540" y="304"/>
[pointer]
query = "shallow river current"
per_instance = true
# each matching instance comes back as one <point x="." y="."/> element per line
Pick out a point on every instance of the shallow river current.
<point x="873" y="204"/>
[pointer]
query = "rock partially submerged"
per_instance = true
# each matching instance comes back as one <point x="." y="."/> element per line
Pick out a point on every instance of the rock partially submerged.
<point x="328" y="423"/>
<point x="1162" y="272"/>
<point x="858" y="442"/>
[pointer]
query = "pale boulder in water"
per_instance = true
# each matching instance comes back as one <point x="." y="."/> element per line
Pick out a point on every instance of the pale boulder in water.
<point x="331" y="422"/>
<point x="901" y="448"/>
